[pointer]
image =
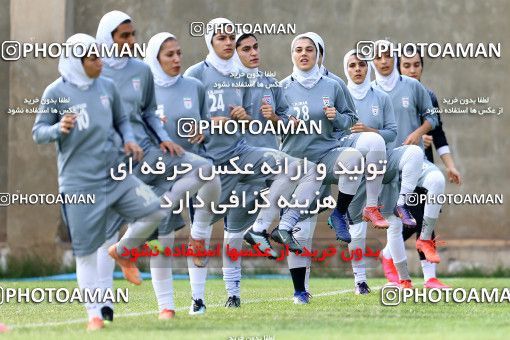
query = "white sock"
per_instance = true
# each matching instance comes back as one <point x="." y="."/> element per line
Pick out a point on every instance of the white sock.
<point x="434" y="182"/>
<point x="429" y="270"/>
<point x="304" y="235"/>
<point x="395" y="240"/>
<point x="411" y="166"/>
<point x="208" y="193"/>
<point x="140" y="230"/>
<point x="106" y="266"/>
<point x="358" y="233"/>
<point x="86" y="274"/>
<point x="232" y="269"/>
<point x="386" y="251"/>
<point x="350" y="158"/>
<point x="198" y="233"/>
<point x="161" y="272"/>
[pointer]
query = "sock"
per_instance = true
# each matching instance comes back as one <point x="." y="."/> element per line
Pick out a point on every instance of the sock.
<point x="105" y="267"/>
<point x="161" y="272"/>
<point x="403" y="273"/>
<point x="198" y="233"/>
<point x="232" y="278"/>
<point x="232" y="269"/>
<point x="429" y="270"/>
<point x="429" y="224"/>
<point x="386" y="252"/>
<point x="86" y="274"/>
<point x="410" y="166"/>
<point x="395" y="241"/>
<point x="343" y="202"/>
<point x="298" y="278"/>
<point x="289" y="219"/>
<point x="358" y="235"/>
<point x="304" y="235"/>
<point x="307" y="278"/>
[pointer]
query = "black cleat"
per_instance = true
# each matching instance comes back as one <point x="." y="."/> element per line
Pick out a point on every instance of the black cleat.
<point x="233" y="302"/>
<point x="361" y="288"/>
<point x="107" y="314"/>
<point x="285" y="237"/>
<point x="197" y="308"/>
<point x="261" y="240"/>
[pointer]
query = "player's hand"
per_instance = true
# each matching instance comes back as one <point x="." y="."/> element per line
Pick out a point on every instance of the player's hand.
<point x="454" y="175"/>
<point x="412" y="139"/>
<point x="67" y="123"/>
<point x="294" y="120"/>
<point x="330" y="113"/>
<point x="163" y="119"/>
<point x="197" y="139"/>
<point x="267" y="112"/>
<point x="173" y="148"/>
<point x="427" y="140"/>
<point x="238" y="113"/>
<point x="359" y="127"/>
<point x="131" y="148"/>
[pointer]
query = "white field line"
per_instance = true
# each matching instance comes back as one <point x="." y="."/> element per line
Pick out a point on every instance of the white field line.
<point x="180" y="309"/>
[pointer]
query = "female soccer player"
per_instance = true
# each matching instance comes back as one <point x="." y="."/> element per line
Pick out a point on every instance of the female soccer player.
<point x="82" y="130"/>
<point x="136" y="84"/>
<point x="413" y="67"/>
<point x="227" y="103"/>
<point x="176" y="98"/>
<point x="314" y="97"/>
<point x="415" y="117"/>
<point x="375" y="113"/>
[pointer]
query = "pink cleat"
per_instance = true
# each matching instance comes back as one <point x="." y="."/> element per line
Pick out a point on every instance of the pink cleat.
<point x="390" y="271"/>
<point x="435" y="283"/>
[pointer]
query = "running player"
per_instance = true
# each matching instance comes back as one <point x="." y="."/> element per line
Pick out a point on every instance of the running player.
<point x="415" y="117"/>
<point x="315" y="97"/>
<point x="82" y="130"/>
<point x="136" y="84"/>
<point x="227" y="103"/>
<point x="269" y="105"/>
<point x="413" y="67"/>
<point x="375" y="113"/>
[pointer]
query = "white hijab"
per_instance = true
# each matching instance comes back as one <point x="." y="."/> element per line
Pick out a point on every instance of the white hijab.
<point x="318" y="40"/>
<point x="71" y="68"/>
<point x="309" y="78"/>
<point x="109" y="22"/>
<point x="357" y="91"/>
<point x="223" y="66"/>
<point x="387" y="82"/>
<point x="161" y="78"/>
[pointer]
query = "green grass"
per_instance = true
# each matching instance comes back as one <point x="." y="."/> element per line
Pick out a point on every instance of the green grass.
<point x="267" y="310"/>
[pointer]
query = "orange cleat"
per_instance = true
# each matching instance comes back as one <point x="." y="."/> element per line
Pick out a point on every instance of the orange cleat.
<point x="95" y="324"/>
<point x="166" y="314"/>
<point x="428" y="247"/>
<point x="373" y="215"/>
<point x="435" y="283"/>
<point x="390" y="271"/>
<point x="129" y="269"/>
<point x="405" y="284"/>
<point x="198" y="246"/>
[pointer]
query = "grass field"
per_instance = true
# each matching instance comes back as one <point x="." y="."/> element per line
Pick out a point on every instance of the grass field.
<point x="267" y="310"/>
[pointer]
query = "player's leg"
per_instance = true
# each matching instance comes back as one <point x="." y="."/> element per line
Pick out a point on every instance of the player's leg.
<point x="106" y="266"/>
<point x="302" y="188"/>
<point x="373" y="148"/>
<point x="433" y="180"/>
<point x="162" y="280"/>
<point x="134" y="201"/>
<point x="238" y="220"/>
<point x="299" y="265"/>
<point x="86" y="226"/>
<point x="358" y="231"/>
<point x="410" y="164"/>
<point x="347" y="187"/>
